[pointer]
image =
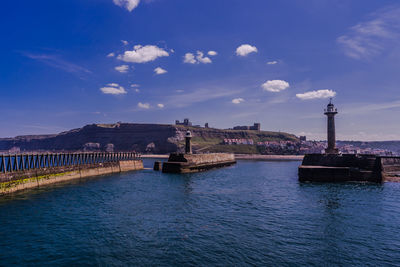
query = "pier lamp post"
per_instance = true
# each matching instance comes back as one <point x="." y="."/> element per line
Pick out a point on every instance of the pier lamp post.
<point x="188" y="145"/>
<point x="330" y="112"/>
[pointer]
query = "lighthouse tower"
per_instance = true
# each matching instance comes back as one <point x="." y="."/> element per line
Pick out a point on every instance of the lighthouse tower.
<point x="188" y="145"/>
<point x="330" y="112"/>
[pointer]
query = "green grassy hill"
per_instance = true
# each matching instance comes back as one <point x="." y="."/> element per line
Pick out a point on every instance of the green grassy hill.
<point x="211" y="139"/>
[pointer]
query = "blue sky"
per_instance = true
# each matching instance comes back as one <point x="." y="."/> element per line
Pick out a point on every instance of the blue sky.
<point x="68" y="63"/>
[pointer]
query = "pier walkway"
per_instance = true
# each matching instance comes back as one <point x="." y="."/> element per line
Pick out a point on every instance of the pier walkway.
<point x="22" y="171"/>
<point x="22" y="162"/>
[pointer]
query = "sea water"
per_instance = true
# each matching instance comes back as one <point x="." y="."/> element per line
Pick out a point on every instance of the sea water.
<point x="254" y="213"/>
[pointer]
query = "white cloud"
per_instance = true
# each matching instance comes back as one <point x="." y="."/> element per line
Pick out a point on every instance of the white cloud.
<point x="319" y="94"/>
<point x="112" y="54"/>
<point x="370" y="38"/>
<point x="128" y="4"/>
<point x="137" y="90"/>
<point x="160" y="105"/>
<point x="134" y="85"/>
<point x="113" y="89"/>
<point x="189" y="58"/>
<point x="159" y="71"/>
<point x="143" y="105"/>
<point x="275" y="86"/>
<point x="143" y="54"/>
<point x="122" y="68"/>
<point x="237" y="100"/>
<point x="200" y="58"/>
<point x="272" y="62"/>
<point x="124" y="42"/>
<point x="212" y="53"/>
<point x="245" y="49"/>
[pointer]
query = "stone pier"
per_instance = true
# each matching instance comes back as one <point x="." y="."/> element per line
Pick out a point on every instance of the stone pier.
<point x="349" y="168"/>
<point x="187" y="163"/>
<point x="18" y="172"/>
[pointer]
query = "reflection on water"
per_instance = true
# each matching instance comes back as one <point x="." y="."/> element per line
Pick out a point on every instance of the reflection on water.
<point x="254" y="213"/>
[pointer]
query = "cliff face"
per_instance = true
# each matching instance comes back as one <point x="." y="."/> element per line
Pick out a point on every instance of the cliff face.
<point x="117" y="137"/>
<point x="152" y="138"/>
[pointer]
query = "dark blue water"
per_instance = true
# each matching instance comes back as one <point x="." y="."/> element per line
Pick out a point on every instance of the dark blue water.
<point x="254" y="213"/>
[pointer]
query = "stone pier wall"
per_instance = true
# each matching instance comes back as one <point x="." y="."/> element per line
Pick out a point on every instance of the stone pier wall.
<point x="349" y="167"/>
<point x="390" y="169"/>
<point x="19" y="180"/>
<point x="186" y="163"/>
<point x="201" y="158"/>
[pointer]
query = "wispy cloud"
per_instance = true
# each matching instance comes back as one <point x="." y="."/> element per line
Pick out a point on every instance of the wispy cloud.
<point x="370" y="38"/>
<point x="360" y="109"/>
<point x="122" y="68"/>
<point x="368" y="107"/>
<point x="56" y="61"/>
<point x="198" y="96"/>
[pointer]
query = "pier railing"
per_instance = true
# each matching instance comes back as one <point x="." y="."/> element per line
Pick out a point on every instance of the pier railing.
<point x="22" y="162"/>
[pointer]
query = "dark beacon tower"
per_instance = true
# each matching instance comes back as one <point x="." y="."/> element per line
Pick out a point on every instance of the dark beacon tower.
<point x="188" y="145"/>
<point x="330" y="112"/>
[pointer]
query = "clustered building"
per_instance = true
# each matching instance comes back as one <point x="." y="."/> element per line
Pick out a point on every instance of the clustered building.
<point x="255" y="127"/>
<point x="302" y="147"/>
<point x="186" y="122"/>
<point x="238" y="141"/>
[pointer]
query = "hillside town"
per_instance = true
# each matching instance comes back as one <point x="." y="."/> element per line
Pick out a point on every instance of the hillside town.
<point x="305" y="147"/>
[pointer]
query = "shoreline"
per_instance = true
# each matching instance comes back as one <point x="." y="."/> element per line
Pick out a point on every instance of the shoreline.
<point x="269" y="157"/>
<point x="154" y="156"/>
<point x="242" y="157"/>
